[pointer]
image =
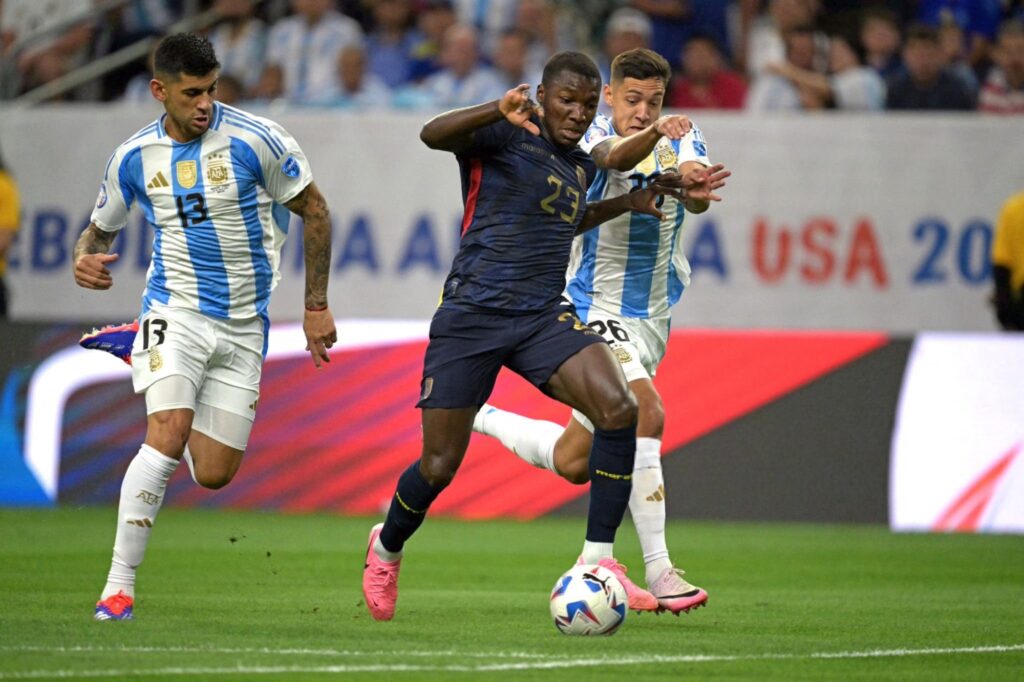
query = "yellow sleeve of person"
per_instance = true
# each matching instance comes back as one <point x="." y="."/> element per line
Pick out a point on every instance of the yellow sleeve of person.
<point x="10" y="216"/>
<point x="1008" y="244"/>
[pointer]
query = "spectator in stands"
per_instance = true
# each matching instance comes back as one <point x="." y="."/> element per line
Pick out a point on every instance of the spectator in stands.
<point x="358" y="87"/>
<point x="390" y="45"/>
<point x="927" y="84"/>
<point x="979" y="19"/>
<point x="1003" y="92"/>
<point x="626" y="29"/>
<point x="706" y="82"/>
<point x="489" y="17"/>
<point x="303" y="51"/>
<point x="1008" y="265"/>
<point x="433" y="19"/>
<point x="10" y="221"/>
<point x="764" y="35"/>
<point x="849" y="84"/>
<point x="510" y="59"/>
<point x="464" y="79"/>
<point x="772" y="91"/>
<point x="674" y="22"/>
<point x="240" y="41"/>
<point x="880" y="35"/>
<point x="40" y="55"/>
<point x="951" y="38"/>
<point x="546" y="32"/>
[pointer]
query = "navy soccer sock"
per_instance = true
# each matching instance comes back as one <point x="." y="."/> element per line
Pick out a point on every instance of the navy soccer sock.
<point x="611" y="480"/>
<point x="413" y="497"/>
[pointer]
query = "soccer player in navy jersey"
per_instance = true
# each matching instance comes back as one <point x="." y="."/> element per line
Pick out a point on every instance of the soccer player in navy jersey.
<point x="524" y="187"/>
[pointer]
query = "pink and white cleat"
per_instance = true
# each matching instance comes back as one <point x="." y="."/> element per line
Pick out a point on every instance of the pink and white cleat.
<point x="675" y="594"/>
<point x="639" y="598"/>
<point x="380" y="581"/>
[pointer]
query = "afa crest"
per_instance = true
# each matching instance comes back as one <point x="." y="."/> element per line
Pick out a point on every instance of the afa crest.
<point x="187" y="174"/>
<point x="666" y="156"/>
<point x="216" y="170"/>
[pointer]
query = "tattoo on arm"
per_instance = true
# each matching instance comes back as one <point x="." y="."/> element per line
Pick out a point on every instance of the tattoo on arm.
<point x="311" y="206"/>
<point x="600" y="153"/>
<point x="92" y="240"/>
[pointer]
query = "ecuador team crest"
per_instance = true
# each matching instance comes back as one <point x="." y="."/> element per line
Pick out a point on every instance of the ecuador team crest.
<point x="187" y="174"/>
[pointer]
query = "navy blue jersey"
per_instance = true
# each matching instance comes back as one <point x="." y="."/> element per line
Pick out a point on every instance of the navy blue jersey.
<point x="524" y="198"/>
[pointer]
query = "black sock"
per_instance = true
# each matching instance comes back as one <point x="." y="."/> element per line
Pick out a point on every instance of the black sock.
<point x="611" y="480"/>
<point x="413" y="497"/>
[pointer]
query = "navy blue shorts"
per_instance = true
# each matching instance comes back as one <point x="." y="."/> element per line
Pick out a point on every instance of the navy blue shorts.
<point x="468" y="348"/>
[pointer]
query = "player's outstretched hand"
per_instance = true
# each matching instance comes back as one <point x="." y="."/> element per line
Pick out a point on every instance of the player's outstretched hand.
<point x="673" y="127"/>
<point x="517" y="107"/>
<point x="91" y="270"/>
<point x="321" y="334"/>
<point x="700" y="184"/>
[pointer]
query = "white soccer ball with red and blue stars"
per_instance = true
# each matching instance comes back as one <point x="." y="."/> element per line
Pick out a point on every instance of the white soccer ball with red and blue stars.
<point x="588" y="600"/>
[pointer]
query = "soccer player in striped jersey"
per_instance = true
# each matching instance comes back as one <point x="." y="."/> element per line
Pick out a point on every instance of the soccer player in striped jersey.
<point x="623" y="279"/>
<point x="216" y="184"/>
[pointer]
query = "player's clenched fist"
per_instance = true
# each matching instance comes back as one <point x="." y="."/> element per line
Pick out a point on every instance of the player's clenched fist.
<point x="517" y="107"/>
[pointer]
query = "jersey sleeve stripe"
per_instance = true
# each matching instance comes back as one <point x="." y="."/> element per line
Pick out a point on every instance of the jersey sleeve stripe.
<point x="232" y="120"/>
<point x="476" y="172"/>
<point x="241" y="115"/>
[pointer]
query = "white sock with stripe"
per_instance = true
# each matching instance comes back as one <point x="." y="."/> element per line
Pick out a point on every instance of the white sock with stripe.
<point x="142" y="494"/>
<point x="647" y="506"/>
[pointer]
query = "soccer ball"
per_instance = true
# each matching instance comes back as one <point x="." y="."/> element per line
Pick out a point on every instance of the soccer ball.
<point x="588" y="600"/>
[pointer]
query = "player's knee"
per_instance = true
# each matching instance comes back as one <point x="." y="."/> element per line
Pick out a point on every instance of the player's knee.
<point x="438" y="469"/>
<point x="214" y="480"/>
<point x="168" y="431"/>
<point x="618" y="414"/>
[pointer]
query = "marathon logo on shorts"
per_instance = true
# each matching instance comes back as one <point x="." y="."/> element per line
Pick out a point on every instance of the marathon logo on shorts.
<point x="156" y="361"/>
<point x="428" y="386"/>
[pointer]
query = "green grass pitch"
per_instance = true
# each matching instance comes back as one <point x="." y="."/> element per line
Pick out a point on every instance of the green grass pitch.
<point x="231" y="595"/>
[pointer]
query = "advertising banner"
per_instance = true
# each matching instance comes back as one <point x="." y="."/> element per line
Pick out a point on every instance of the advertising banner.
<point x="838" y="221"/>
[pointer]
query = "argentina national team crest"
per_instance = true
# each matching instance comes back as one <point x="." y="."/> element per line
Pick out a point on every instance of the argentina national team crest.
<point x="187" y="174"/>
<point x="216" y="172"/>
<point x="666" y="155"/>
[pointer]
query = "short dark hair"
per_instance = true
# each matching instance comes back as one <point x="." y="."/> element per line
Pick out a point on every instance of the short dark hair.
<point x="573" y="62"/>
<point x="186" y="53"/>
<point x="923" y="32"/>
<point x="641" y="64"/>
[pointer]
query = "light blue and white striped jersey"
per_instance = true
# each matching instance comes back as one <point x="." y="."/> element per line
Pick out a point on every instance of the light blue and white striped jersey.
<point x="633" y="265"/>
<point x="215" y="204"/>
<point x="308" y="55"/>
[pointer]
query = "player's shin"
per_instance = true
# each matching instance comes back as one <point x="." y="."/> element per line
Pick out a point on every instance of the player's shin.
<point x="413" y="497"/>
<point x="142" y="494"/>
<point x="647" y="506"/>
<point x="611" y="471"/>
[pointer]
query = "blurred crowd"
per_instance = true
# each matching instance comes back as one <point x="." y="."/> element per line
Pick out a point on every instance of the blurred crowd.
<point x="759" y="55"/>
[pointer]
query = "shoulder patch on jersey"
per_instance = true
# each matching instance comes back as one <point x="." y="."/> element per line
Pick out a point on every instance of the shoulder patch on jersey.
<point x="291" y="167"/>
<point x="101" y="200"/>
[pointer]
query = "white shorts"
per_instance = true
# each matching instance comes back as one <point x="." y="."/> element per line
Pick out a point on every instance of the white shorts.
<point x="638" y="343"/>
<point x="223" y="359"/>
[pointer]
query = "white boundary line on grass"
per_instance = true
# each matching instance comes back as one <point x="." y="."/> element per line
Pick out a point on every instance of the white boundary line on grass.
<point x="553" y="663"/>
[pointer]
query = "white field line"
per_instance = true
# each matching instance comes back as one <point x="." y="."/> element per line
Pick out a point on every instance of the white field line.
<point x="551" y="664"/>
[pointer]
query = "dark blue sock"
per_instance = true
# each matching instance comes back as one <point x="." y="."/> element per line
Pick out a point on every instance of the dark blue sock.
<point x="409" y="506"/>
<point x="611" y="480"/>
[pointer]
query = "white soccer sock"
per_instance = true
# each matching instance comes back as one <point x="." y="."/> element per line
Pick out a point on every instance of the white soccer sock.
<point x="595" y="551"/>
<point x="142" y="493"/>
<point x="531" y="439"/>
<point x="647" y="506"/>
<point x="383" y="554"/>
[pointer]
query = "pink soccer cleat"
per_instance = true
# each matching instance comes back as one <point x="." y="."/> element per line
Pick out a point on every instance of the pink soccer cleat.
<point x="675" y="594"/>
<point x="115" y="607"/>
<point x="116" y="339"/>
<point x="380" y="581"/>
<point x="639" y="598"/>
